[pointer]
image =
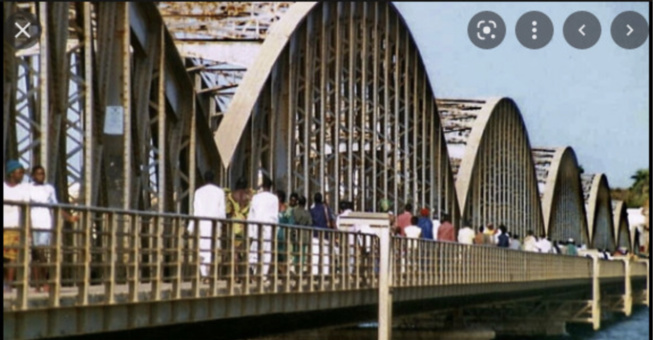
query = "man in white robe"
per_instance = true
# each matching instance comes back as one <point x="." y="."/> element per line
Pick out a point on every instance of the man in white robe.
<point x="209" y="201"/>
<point x="264" y="208"/>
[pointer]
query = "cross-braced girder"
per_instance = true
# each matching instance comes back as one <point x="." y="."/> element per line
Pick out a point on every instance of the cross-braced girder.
<point x="346" y="110"/>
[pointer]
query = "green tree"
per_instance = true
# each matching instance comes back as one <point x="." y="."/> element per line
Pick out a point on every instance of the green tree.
<point x="639" y="190"/>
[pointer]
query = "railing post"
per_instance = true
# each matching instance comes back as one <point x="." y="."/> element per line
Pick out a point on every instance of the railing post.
<point x="596" y="294"/>
<point x="85" y="225"/>
<point x="57" y="258"/>
<point x="22" y="274"/>
<point x="381" y="224"/>
<point x="385" y="299"/>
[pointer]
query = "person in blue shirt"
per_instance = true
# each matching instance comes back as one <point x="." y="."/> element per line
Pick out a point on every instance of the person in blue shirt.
<point x="322" y="219"/>
<point x="425" y="224"/>
<point x="504" y="239"/>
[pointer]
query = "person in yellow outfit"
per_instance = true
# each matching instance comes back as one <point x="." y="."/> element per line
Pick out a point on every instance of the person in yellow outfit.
<point x="238" y="203"/>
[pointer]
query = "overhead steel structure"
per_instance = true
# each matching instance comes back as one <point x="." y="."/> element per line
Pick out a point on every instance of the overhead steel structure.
<point x="492" y="162"/>
<point x="219" y="41"/>
<point x="621" y="226"/>
<point x="338" y="101"/>
<point x="104" y="102"/>
<point x="561" y="193"/>
<point x="596" y="193"/>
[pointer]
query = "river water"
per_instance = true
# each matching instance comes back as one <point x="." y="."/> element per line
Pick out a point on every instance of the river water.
<point x="635" y="327"/>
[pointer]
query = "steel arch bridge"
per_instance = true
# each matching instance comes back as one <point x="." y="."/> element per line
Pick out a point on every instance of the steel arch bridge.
<point x="561" y="194"/>
<point x="492" y="161"/>
<point x="599" y="211"/>
<point x="337" y="100"/>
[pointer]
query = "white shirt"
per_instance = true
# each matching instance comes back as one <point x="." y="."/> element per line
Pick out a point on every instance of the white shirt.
<point x="530" y="244"/>
<point x="263" y="208"/>
<point x="43" y="193"/>
<point x="208" y="201"/>
<point x="412" y="231"/>
<point x="544" y="245"/>
<point x="436" y="226"/>
<point x="11" y="213"/>
<point x="466" y="235"/>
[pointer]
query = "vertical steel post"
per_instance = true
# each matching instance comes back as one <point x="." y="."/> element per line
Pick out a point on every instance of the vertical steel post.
<point x="44" y="110"/>
<point x="385" y="277"/>
<point x="596" y="294"/>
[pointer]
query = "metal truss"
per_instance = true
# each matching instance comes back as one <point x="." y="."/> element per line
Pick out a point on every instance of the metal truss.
<point x="495" y="177"/>
<point x="221" y="20"/>
<point x="104" y="102"/>
<point x="596" y="193"/>
<point x="561" y="193"/>
<point x="346" y="110"/>
<point x="621" y="226"/>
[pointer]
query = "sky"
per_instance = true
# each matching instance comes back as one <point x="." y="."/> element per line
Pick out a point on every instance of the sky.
<point x="594" y="100"/>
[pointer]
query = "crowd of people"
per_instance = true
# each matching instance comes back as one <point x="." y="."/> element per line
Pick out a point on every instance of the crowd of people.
<point x="304" y="250"/>
<point x="252" y="214"/>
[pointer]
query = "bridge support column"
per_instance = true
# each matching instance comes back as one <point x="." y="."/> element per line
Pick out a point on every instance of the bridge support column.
<point x="628" y="289"/>
<point x="596" y="295"/>
<point x="647" y="300"/>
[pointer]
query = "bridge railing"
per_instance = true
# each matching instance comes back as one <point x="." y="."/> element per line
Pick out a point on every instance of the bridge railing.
<point x="611" y="268"/>
<point x="425" y="263"/>
<point x="115" y="256"/>
<point x="639" y="268"/>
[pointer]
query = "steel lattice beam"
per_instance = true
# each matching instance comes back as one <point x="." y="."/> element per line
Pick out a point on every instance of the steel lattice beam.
<point x="339" y="102"/>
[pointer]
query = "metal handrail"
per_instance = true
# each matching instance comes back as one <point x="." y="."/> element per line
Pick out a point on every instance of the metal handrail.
<point x="117" y="256"/>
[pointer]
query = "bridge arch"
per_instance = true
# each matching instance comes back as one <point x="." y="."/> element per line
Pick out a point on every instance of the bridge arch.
<point x="492" y="163"/>
<point x="339" y="101"/>
<point x="621" y="226"/>
<point x="596" y="192"/>
<point x="561" y="193"/>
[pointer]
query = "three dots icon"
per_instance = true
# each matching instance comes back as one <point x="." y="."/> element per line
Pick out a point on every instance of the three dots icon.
<point x="534" y="30"/>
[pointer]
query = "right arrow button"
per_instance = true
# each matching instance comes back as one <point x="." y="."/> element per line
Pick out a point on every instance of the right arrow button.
<point x="629" y="30"/>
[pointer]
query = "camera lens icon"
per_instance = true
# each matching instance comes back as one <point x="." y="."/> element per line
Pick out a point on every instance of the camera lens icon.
<point x="486" y="30"/>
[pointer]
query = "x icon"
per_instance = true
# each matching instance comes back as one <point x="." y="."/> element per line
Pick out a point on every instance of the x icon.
<point x="23" y="30"/>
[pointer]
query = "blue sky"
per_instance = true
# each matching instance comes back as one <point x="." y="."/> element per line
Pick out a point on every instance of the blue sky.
<point x="595" y="100"/>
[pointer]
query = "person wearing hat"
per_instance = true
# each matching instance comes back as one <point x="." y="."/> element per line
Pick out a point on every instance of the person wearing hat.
<point x="425" y="224"/>
<point x="14" y="190"/>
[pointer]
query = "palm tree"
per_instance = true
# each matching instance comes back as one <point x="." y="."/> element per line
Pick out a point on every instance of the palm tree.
<point x="639" y="189"/>
<point x="642" y="180"/>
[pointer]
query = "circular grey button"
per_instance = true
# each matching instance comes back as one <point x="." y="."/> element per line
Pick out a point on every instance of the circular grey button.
<point x="534" y="30"/>
<point x="486" y="30"/>
<point x="22" y="30"/>
<point x="582" y="30"/>
<point x="629" y="30"/>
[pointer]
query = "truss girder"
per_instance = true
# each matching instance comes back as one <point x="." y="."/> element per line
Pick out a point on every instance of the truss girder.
<point x="598" y="205"/>
<point x="340" y="103"/>
<point x="104" y="102"/>
<point x="495" y="175"/>
<point x="561" y="193"/>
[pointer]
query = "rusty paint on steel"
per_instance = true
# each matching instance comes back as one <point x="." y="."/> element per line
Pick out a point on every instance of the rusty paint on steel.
<point x="214" y="21"/>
